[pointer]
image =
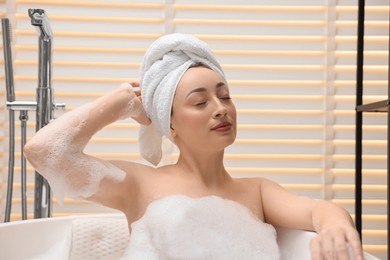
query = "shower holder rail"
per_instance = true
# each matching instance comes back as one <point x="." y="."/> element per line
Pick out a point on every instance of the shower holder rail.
<point x="30" y="105"/>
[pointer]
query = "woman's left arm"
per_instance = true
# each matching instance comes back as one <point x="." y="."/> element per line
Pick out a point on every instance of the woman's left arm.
<point x="335" y="228"/>
<point x="336" y="233"/>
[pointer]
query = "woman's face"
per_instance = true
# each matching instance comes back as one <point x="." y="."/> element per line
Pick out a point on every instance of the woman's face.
<point x="203" y="115"/>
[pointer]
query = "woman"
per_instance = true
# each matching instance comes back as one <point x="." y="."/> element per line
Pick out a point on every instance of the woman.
<point x="169" y="207"/>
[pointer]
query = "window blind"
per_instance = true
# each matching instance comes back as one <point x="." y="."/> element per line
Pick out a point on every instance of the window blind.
<point x="290" y="68"/>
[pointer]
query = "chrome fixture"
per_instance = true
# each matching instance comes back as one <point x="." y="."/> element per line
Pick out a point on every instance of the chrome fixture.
<point x="9" y="84"/>
<point x="44" y="107"/>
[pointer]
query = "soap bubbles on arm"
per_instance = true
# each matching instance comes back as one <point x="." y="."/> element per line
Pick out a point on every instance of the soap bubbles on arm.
<point x="135" y="108"/>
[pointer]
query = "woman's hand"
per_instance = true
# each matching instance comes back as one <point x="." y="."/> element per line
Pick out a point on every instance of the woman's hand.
<point x="336" y="233"/>
<point x="135" y="108"/>
<point x="337" y="241"/>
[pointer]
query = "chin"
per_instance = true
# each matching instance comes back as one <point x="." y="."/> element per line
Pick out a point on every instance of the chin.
<point x="228" y="142"/>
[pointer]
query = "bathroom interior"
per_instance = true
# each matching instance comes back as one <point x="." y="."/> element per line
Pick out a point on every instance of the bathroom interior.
<point x="292" y="69"/>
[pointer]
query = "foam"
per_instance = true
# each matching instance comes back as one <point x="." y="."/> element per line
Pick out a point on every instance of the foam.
<point x="134" y="107"/>
<point x="179" y="227"/>
<point x="63" y="155"/>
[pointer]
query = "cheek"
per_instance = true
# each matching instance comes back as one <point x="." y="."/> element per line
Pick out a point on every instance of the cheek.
<point x="233" y="112"/>
<point x="192" y="119"/>
<point x="189" y="123"/>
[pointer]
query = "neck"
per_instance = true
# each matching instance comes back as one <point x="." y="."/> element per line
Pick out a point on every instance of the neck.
<point x="205" y="168"/>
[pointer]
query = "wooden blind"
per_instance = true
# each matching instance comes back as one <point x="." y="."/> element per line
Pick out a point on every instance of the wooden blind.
<point x="290" y="67"/>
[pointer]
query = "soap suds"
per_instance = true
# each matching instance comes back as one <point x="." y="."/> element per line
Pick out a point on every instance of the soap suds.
<point x="68" y="170"/>
<point x="179" y="227"/>
<point x="134" y="107"/>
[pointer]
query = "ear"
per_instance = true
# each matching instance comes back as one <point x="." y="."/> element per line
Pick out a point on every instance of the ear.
<point x="173" y="132"/>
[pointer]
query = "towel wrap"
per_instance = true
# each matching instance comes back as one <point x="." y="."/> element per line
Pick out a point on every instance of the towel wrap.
<point x="164" y="63"/>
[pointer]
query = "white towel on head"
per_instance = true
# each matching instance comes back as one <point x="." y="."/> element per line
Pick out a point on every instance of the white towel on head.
<point x="163" y="66"/>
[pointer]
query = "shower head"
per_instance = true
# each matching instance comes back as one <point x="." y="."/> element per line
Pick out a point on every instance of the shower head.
<point x="40" y="20"/>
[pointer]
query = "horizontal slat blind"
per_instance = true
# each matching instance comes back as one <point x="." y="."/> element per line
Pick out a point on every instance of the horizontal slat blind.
<point x="290" y="67"/>
<point x="97" y="46"/>
<point x="374" y="132"/>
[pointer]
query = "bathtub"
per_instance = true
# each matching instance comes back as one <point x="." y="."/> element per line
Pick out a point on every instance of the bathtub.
<point x="99" y="237"/>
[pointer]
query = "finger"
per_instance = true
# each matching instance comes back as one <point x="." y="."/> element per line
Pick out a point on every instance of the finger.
<point x="134" y="83"/>
<point x="134" y="108"/>
<point x="137" y="92"/>
<point x="136" y="88"/>
<point x="140" y="114"/>
<point x="132" y="87"/>
<point x="327" y="247"/>
<point x="355" y="244"/>
<point x="315" y="249"/>
<point x="341" y="248"/>
<point x="143" y="120"/>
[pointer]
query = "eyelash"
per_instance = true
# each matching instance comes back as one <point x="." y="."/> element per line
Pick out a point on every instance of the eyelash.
<point x="223" y="98"/>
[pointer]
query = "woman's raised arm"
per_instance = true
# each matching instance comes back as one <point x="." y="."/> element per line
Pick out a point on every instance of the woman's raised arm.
<point x="56" y="151"/>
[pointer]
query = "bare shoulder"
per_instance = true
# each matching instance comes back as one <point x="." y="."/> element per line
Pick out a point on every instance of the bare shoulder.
<point x="256" y="181"/>
<point x="257" y="184"/>
<point x="266" y="187"/>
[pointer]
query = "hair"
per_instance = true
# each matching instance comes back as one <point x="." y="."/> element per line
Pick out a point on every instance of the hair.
<point x="199" y="64"/>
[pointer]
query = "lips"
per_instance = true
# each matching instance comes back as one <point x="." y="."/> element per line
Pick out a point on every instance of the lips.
<point x="222" y="126"/>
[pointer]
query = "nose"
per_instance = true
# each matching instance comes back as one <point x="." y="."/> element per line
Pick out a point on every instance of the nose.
<point x="220" y="110"/>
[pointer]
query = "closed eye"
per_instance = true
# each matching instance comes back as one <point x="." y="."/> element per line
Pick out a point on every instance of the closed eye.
<point x="226" y="98"/>
<point x="200" y="103"/>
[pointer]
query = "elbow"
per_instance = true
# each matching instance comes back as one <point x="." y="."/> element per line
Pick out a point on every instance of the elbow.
<point x="31" y="151"/>
<point x="36" y="152"/>
<point x="29" y="148"/>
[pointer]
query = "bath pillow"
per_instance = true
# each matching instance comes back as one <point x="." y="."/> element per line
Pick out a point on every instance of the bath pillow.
<point x="99" y="238"/>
